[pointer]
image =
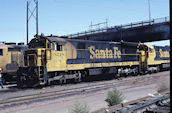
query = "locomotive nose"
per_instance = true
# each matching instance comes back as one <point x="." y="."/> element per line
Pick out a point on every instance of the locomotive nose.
<point x="27" y="76"/>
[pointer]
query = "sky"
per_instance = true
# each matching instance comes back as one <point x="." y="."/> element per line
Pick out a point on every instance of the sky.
<point x="63" y="17"/>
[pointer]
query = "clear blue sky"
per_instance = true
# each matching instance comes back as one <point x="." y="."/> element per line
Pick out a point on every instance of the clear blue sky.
<point x="62" y="17"/>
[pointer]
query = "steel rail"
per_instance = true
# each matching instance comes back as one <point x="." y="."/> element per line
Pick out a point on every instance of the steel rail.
<point x="69" y="92"/>
<point x="129" y="77"/>
<point x="138" y="104"/>
<point x="148" y="103"/>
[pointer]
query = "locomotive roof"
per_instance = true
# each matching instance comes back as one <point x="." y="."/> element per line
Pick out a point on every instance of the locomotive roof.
<point x="56" y="39"/>
<point x="3" y="46"/>
<point x="150" y="46"/>
<point x="65" y="39"/>
<point x="52" y="38"/>
<point x="12" y="46"/>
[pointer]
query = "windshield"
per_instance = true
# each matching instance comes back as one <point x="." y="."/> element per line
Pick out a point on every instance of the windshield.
<point x="37" y="43"/>
<point x="30" y="57"/>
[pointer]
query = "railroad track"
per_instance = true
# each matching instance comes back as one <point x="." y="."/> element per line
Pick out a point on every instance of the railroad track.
<point x="42" y="96"/>
<point x="159" y="103"/>
<point x="15" y="89"/>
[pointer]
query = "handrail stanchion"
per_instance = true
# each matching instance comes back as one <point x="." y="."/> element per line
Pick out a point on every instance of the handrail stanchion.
<point x="165" y="19"/>
<point x="132" y="25"/>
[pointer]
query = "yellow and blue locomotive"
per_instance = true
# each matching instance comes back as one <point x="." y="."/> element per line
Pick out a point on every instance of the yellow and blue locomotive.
<point x="154" y="58"/>
<point x="59" y="58"/>
<point x="11" y="57"/>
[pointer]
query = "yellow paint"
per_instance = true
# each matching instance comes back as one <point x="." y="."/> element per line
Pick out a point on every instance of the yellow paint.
<point x="92" y="65"/>
<point x="7" y="58"/>
<point x="151" y="54"/>
<point x="158" y="62"/>
<point x="57" y="62"/>
<point x="71" y="51"/>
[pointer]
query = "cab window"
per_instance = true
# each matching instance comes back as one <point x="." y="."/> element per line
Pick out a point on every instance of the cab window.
<point x="53" y="46"/>
<point x="64" y="47"/>
<point x="1" y="52"/>
<point x="48" y="45"/>
<point x="151" y="50"/>
<point x="59" y="47"/>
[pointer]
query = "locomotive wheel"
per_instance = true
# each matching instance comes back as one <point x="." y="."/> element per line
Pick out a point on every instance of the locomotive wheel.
<point x="117" y="76"/>
<point x="4" y="82"/>
<point x="78" y="79"/>
<point x="48" y="82"/>
<point x="20" y="83"/>
<point x="158" y="69"/>
<point x="150" y="72"/>
<point x="62" y="79"/>
<point x="135" y="73"/>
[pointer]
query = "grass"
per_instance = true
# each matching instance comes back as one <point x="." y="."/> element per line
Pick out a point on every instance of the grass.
<point x="80" y="108"/>
<point x="114" y="97"/>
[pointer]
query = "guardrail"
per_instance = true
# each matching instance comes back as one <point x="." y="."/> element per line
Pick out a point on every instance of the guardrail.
<point x="119" y="27"/>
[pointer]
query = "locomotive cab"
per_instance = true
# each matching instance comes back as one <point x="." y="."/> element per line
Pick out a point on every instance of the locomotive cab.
<point x="38" y="61"/>
<point x="10" y="59"/>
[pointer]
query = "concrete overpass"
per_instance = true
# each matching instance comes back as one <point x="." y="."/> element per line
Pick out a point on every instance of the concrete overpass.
<point x="144" y="31"/>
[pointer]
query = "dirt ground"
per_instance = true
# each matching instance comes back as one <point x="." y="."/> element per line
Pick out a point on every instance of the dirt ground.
<point x="95" y="100"/>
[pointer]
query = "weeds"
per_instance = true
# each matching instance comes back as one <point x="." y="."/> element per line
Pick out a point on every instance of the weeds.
<point x="80" y="108"/>
<point x="114" y="97"/>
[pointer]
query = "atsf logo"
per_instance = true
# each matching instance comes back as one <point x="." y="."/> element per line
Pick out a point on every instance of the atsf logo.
<point x="107" y="53"/>
<point x="163" y="53"/>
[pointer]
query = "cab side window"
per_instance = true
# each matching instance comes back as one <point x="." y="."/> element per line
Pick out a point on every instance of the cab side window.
<point x="1" y="52"/>
<point x="64" y="47"/>
<point x="53" y="46"/>
<point x="59" y="47"/>
<point x="151" y="50"/>
<point x="48" y="45"/>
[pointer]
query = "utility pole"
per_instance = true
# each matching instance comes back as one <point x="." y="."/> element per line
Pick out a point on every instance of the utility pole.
<point x="36" y="1"/>
<point x="30" y="14"/>
<point x="149" y="10"/>
<point x="27" y="21"/>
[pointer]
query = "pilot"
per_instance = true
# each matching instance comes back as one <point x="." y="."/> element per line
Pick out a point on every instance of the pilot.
<point x="1" y="78"/>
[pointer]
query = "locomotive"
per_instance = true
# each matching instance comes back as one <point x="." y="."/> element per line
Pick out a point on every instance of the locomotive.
<point x="11" y="57"/>
<point x="52" y="58"/>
